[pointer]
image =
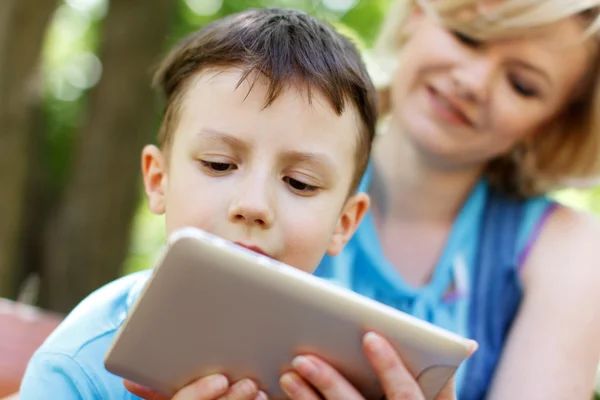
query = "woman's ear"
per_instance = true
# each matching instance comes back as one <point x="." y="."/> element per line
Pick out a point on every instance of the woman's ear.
<point x="352" y="214"/>
<point x="413" y="19"/>
<point x="154" y="173"/>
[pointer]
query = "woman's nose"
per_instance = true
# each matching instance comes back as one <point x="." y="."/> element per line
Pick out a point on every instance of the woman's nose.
<point x="472" y="80"/>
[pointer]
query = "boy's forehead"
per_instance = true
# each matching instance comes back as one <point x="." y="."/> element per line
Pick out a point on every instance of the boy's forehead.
<point x="217" y="87"/>
<point x="226" y="93"/>
<point x="216" y="100"/>
<point x="258" y="89"/>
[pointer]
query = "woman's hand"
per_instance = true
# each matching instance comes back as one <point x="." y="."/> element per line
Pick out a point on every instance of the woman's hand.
<point x="212" y="387"/>
<point x="314" y="379"/>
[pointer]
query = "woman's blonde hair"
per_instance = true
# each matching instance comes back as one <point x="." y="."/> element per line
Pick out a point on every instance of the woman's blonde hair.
<point x="568" y="152"/>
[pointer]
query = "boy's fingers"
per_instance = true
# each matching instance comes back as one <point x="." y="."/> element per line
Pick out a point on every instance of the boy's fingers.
<point x="261" y="396"/>
<point x="245" y="389"/>
<point x="396" y="380"/>
<point x="297" y="388"/>
<point x="144" y="392"/>
<point x="447" y="392"/>
<point x="207" y="388"/>
<point x="326" y="380"/>
<point x="474" y="348"/>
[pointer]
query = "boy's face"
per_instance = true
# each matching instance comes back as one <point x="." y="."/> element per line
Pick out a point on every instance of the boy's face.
<point x="273" y="179"/>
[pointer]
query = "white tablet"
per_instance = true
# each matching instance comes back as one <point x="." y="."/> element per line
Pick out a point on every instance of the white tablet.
<point x="212" y="306"/>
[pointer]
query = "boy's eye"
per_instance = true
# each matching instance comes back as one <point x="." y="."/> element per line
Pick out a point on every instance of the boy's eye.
<point x="466" y="40"/>
<point x="523" y="88"/>
<point x="299" y="186"/>
<point x="218" y="166"/>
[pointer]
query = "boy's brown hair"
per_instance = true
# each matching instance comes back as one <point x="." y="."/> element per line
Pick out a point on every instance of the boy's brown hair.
<point x="288" y="47"/>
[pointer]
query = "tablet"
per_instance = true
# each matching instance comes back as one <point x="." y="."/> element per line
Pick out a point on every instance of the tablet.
<point x="211" y="306"/>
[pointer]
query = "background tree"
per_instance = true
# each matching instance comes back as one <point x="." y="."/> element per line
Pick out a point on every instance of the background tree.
<point x="20" y="46"/>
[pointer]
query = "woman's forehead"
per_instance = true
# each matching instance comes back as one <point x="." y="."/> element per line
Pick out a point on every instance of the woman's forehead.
<point x="492" y="19"/>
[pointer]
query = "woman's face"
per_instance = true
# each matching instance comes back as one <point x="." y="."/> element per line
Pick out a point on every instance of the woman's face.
<point x="462" y="103"/>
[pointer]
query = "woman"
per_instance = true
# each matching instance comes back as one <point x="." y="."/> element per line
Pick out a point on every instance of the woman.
<point x="491" y="105"/>
<point x="491" y="100"/>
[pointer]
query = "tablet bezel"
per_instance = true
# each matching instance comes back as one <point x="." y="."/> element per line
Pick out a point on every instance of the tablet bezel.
<point x="204" y="271"/>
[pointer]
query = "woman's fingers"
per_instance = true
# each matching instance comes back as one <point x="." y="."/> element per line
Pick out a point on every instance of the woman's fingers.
<point x="397" y="382"/>
<point x="325" y="380"/>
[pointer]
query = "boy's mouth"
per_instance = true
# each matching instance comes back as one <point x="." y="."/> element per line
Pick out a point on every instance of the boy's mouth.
<point x="255" y="249"/>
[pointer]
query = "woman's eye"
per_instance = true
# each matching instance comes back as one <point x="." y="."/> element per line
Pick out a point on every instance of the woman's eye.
<point x="466" y="40"/>
<point x="218" y="166"/>
<point x="523" y="88"/>
<point x="299" y="186"/>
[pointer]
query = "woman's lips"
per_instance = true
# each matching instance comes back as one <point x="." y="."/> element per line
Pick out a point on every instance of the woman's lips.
<point x="444" y="108"/>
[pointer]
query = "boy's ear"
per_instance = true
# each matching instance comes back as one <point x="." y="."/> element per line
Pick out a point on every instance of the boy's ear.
<point x="154" y="173"/>
<point x="352" y="214"/>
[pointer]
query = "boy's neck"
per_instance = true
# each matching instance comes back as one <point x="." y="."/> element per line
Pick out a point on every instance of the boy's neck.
<point x="407" y="187"/>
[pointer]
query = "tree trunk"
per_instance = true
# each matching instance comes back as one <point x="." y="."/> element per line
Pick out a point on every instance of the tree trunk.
<point x="39" y="199"/>
<point x="87" y="239"/>
<point x="22" y="27"/>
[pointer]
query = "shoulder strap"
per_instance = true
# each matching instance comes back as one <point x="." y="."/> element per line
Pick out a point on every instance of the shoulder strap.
<point x="496" y="292"/>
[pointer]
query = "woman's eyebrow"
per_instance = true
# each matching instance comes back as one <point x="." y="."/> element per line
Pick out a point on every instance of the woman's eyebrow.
<point x="533" y="68"/>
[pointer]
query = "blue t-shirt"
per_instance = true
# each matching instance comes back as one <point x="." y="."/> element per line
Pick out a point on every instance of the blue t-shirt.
<point x="444" y="301"/>
<point x="69" y="365"/>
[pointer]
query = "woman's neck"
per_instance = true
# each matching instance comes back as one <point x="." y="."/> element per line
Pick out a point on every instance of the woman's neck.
<point x="408" y="187"/>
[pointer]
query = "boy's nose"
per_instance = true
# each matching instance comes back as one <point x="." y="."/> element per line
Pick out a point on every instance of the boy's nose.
<point x="252" y="208"/>
<point x="259" y="217"/>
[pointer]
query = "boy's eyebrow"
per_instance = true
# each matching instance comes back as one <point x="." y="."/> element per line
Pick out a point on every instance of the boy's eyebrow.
<point x="217" y="135"/>
<point x="321" y="159"/>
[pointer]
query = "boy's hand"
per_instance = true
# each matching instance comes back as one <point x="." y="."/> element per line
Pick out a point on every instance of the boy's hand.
<point x="314" y="379"/>
<point x="212" y="387"/>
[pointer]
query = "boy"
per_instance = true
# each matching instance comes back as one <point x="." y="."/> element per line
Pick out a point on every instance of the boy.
<point x="267" y="130"/>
